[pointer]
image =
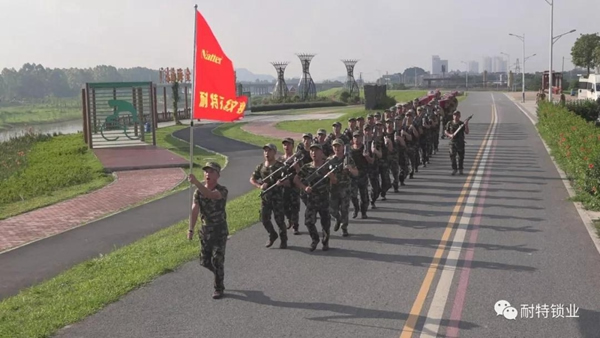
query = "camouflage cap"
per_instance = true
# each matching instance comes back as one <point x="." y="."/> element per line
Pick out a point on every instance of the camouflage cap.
<point x="360" y="118"/>
<point x="352" y="119"/>
<point x="212" y="165"/>
<point x="288" y="140"/>
<point x="270" y="146"/>
<point x="338" y="142"/>
<point x="321" y="132"/>
<point x="367" y="127"/>
<point x="336" y="124"/>
<point x="378" y="114"/>
<point x="370" y="116"/>
<point x="316" y="145"/>
<point x="307" y="135"/>
<point x="388" y="121"/>
<point x="420" y="108"/>
<point x="357" y="134"/>
<point x="456" y="112"/>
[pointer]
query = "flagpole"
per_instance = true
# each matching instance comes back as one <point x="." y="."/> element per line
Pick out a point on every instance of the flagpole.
<point x="192" y="112"/>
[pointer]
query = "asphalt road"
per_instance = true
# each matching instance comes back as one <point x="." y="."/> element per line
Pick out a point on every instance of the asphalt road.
<point x="504" y="231"/>
<point x="38" y="261"/>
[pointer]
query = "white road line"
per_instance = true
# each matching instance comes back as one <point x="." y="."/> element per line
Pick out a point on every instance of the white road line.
<point x="440" y="297"/>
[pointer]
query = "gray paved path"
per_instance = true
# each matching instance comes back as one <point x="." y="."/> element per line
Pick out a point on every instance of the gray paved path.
<point x="513" y="236"/>
<point x="30" y="264"/>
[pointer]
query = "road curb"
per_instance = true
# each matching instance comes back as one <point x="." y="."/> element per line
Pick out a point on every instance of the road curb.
<point x="586" y="216"/>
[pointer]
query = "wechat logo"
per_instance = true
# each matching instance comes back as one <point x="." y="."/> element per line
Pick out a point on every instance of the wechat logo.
<point x="503" y="308"/>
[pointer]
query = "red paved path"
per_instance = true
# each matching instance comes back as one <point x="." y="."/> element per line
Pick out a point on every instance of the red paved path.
<point x="130" y="187"/>
<point x="268" y="129"/>
<point x="139" y="157"/>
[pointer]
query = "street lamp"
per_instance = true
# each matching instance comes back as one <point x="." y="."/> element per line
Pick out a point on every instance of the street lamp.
<point x="530" y="56"/>
<point x="522" y="38"/>
<point x="553" y="39"/>
<point x="467" y="75"/>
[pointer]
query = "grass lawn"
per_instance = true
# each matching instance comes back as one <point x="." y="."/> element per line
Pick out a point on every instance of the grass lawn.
<point x="88" y="287"/>
<point x="234" y="131"/>
<point x="54" y="110"/>
<point x="39" y="170"/>
<point x="302" y="111"/>
<point x="312" y="126"/>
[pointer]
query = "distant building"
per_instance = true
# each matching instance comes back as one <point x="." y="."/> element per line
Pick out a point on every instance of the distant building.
<point x="474" y="67"/>
<point x="500" y="65"/>
<point x="438" y="66"/>
<point x="487" y="64"/>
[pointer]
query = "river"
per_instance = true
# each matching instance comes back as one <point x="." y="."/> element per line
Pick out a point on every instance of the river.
<point x="65" y="127"/>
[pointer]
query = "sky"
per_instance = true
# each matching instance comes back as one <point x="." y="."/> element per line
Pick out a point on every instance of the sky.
<point x="387" y="36"/>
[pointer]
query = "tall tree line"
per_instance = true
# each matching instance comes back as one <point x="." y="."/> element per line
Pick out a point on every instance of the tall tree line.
<point x="34" y="81"/>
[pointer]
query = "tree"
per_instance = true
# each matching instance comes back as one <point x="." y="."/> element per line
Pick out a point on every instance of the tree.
<point x="596" y="57"/>
<point x="582" y="52"/>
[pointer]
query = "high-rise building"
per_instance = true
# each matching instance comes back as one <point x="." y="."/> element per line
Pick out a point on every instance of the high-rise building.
<point x="473" y="67"/>
<point x="438" y="66"/>
<point x="499" y="65"/>
<point x="487" y="64"/>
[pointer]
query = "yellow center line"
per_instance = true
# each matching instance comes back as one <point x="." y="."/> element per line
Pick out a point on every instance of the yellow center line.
<point x="415" y="311"/>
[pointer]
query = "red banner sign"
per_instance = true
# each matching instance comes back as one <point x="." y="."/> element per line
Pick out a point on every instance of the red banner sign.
<point x="214" y="79"/>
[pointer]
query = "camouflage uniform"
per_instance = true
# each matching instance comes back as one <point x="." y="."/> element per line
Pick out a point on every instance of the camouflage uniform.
<point x="340" y="192"/>
<point x="373" y="173"/>
<point x="394" y="159"/>
<point x="384" y="168"/>
<point x="435" y="135"/>
<point x="360" y="183"/>
<point x="272" y="202"/>
<point x="291" y="199"/>
<point x="213" y="234"/>
<point x="411" y="150"/>
<point x="317" y="202"/>
<point x="457" y="145"/>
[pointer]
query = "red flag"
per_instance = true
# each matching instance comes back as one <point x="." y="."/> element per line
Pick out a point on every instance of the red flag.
<point x="214" y="79"/>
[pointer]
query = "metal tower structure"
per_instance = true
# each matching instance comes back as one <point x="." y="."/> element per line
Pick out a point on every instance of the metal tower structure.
<point x="351" y="86"/>
<point x="281" y="89"/>
<point x="306" y="86"/>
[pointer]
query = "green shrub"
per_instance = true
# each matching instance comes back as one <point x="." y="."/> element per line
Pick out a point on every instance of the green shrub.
<point x="588" y="109"/>
<point x="385" y="103"/>
<point x="49" y="164"/>
<point x="575" y="144"/>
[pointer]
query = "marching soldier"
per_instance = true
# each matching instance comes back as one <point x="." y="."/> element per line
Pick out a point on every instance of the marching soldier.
<point x="372" y="168"/>
<point x="351" y="128"/>
<point x="383" y="143"/>
<point x="360" y="183"/>
<point x="435" y="135"/>
<point x="393" y="154"/>
<point x="370" y="122"/>
<point x="361" y="124"/>
<point x="400" y="144"/>
<point x="262" y="178"/>
<point x="291" y="195"/>
<point x="307" y="140"/>
<point x="337" y="134"/>
<point x="340" y="191"/>
<point x="317" y="195"/>
<point x="377" y="117"/>
<point x="457" y="142"/>
<point x="410" y="135"/>
<point x="423" y="126"/>
<point x="322" y="140"/>
<point x="210" y="200"/>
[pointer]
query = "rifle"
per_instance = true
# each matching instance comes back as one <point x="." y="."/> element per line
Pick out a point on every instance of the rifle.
<point x="332" y="169"/>
<point x="311" y="176"/>
<point x="283" y="178"/>
<point x="462" y="125"/>
<point x="286" y="165"/>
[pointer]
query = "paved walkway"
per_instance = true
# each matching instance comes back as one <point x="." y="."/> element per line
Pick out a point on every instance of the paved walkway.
<point x="130" y="188"/>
